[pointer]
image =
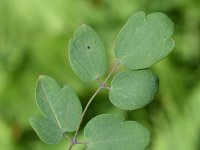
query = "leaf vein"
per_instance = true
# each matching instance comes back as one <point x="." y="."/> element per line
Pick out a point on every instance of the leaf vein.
<point x="54" y="116"/>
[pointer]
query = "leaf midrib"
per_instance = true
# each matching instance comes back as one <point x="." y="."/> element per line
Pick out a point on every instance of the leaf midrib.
<point x="54" y="116"/>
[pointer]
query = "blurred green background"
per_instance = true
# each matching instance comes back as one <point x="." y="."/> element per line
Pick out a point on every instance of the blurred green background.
<point x="34" y="37"/>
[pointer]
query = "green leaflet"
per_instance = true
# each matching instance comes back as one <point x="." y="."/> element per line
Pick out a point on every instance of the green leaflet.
<point x="47" y="130"/>
<point x="144" y="40"/>
<point x="133" y="89"/>
<point x="61" y="108"/>
<point x="111" y="132"/>
<point x="87" y="54"/>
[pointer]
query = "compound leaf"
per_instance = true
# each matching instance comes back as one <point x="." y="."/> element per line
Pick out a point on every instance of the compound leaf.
<point x="109" y="131"/>
<point x="59" y="106"/>
<point x="87" y="54"/>
<point x="133" y="89"/>
<point x="144" y="40"/>
<point x="47" y="130"/>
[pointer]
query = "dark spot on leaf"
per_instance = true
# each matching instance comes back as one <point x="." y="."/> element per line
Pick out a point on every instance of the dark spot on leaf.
<point x="88" y="47"/>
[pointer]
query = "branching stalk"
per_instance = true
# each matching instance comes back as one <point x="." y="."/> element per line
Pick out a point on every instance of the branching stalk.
<point x="102" y="85"/>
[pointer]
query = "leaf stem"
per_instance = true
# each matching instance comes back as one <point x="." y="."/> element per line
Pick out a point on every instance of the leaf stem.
<point x="113" y="69"/>
<point x="74" y="141"/>
<point x="83" y="114"/>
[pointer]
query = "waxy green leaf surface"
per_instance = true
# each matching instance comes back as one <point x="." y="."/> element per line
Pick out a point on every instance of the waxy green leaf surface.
<point x="87" y="54"/>
<point x="61" y="109"/>
<point x="111" y="132"/>
<point x="144" y="40"/>
<point x="47" y="130"/>
<point x="133" y="89"/>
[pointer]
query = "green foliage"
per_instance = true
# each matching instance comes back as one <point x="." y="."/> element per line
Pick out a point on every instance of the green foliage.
<point x="87" y="54"/>
<point x="61" y="109"/>
<point x="107" y="131"/>
<point x="33" y="41"/>
<point x="129" y="90"/>
<point x="133" y="89"/>
<point x="47" y="130"/>
<point x="144" y="40"/>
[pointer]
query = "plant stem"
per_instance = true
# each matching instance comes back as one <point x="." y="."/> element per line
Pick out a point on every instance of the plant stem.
<point x="113" y="69"/>
<point x="83" y="114"/>
<point x="73" y="142"/>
